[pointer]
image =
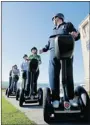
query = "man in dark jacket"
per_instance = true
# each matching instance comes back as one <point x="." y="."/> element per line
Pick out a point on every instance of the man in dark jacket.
<point x="61" y="27"/>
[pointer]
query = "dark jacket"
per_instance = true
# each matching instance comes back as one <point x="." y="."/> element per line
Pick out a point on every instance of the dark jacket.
<point x="64" y="28"/>
<point x="10" y="73"/>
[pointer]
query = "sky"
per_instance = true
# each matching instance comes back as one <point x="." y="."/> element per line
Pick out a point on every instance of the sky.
<point x="28" y="24"/>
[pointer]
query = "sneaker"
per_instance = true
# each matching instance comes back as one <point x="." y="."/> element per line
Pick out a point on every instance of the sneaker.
<point x="27" y="97"/>
<point x="34" y="93"/>
<point x="73" y="102"/>
<point x="55" y="104"/>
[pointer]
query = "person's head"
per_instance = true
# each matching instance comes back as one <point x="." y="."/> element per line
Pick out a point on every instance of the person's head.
<point x="58" y="19"/>
<point x="15" y="66"/>
<point x="25" y="56"/>
<point x="34" y="50"/>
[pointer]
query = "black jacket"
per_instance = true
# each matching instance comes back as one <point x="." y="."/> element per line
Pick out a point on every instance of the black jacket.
<point x="67" y="28"/>
<point x="10" y="73"/>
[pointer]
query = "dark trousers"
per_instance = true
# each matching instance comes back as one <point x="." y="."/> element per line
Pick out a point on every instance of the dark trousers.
<point x="24" y="78"/>
<point x="34" y="86"/>
<point x="13" y="86"/>
<point x="24" y="75"/>
<point x="54" y="75"/>
<point x="10" y="81"/>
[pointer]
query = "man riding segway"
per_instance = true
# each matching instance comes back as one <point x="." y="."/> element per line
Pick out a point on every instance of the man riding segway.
<point x="15" y="77"/>
<point x="61" y="27"/>
<point x="61" y="46"/>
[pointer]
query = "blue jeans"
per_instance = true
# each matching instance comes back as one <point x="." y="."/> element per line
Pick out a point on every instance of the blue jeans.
<point x="14" y="81"/>
<point x="10" y="81"/>
<point x="54" y="74"/>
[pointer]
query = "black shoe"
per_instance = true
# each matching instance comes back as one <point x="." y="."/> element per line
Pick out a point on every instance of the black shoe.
<point x="34" y="93"/>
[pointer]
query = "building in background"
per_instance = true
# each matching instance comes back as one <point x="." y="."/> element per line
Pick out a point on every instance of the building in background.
<point x="85" y="43"/>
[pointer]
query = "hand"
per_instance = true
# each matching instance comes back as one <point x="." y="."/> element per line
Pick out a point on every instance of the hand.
<point x="74" y="34"/>
<point x="39" y="62"/>
<point x="28" y="59"/>
<point x="40" y="51"/>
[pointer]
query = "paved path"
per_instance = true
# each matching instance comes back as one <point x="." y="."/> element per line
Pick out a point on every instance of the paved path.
<point x="33" y="111"/>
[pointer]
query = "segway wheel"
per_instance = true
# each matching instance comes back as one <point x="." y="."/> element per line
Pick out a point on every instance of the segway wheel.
<point x="84" y="103"/>
<point x="17" y="94"/>
<point x="47" y="107"/>
<point x="21" y="100"/>
<point x="40" y="96"/>
<point x="6" y="92"/>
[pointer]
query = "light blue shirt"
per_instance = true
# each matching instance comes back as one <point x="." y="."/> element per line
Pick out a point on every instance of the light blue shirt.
<point x="24" y="65"/>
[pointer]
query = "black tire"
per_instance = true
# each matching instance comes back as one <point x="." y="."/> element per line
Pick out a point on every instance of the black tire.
<point x="6" y="92"/>
<point x="21" y="100"/>
<point x="40" y="96"/>
<point x="47" y="107"/>
<point x="85" y="108"/>
<point x="17" y="94"/>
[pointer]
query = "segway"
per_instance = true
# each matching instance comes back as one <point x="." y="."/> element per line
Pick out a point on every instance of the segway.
<point x="64" y="47"/>
<point x="24" y="78"/>
<point x="11" y="91"/>
<point x="6" y="91"/>
<point x="38" y="98"/>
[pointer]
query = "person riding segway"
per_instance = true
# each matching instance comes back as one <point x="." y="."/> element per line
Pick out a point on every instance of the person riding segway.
<point x="61" y="46"/>
<point x="24" y="70"/>
<point x="10" y="80"/>
<point x="31" y="94"/>
<point x="15" y="77"/>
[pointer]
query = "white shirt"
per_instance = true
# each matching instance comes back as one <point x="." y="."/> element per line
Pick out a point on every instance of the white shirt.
<point x="24" y="65"/>
<point x="15" y="72"/>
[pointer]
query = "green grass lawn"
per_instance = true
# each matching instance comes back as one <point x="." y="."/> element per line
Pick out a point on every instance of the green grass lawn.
<point x="10" y="115"/>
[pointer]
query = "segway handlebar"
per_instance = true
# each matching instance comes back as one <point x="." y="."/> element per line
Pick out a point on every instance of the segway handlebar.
<point x="64" y="46"/>
<point x="33" y="65"/>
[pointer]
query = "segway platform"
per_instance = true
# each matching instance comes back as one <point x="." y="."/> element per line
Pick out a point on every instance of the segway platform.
<point x="33" y="99"/>
<point x="10" y="93"/>
<point x="13" y="94"/>
<point x="67" y="109"/>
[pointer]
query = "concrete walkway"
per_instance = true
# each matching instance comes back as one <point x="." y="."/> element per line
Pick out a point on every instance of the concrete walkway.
<point x="32" y="111"/>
